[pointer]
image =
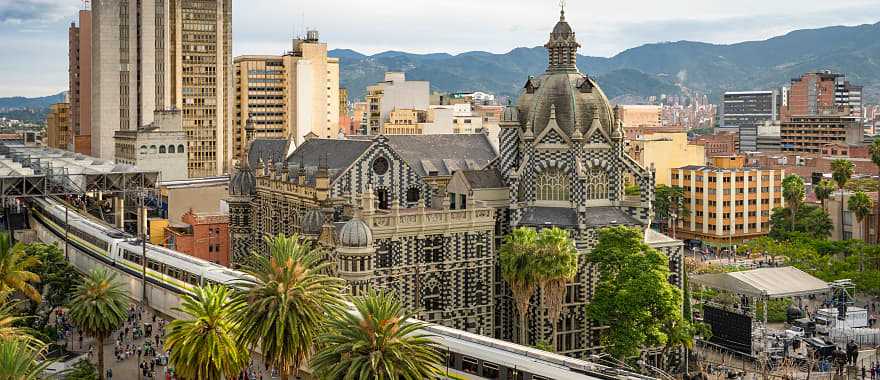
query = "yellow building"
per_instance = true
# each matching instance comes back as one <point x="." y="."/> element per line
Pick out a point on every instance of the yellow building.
<point x="727" y="202"/>
<point x="58" y="125"/>
<point x="287" y="96"/>
<point x="405" y="122"/>
<point x="635" y="116"/>
<point x="666" y="151"/>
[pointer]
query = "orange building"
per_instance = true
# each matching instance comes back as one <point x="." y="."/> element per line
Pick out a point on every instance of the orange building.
<point x="201" y="235"/>
<point x="727" y="202"/>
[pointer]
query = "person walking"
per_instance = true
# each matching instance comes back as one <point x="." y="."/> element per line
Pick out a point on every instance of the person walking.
<point x="109" y="373"/>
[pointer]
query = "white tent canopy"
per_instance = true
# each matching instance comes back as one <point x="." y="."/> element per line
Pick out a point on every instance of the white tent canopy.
<point x="765" y="282"/>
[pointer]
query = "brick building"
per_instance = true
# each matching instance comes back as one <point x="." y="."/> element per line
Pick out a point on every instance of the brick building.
<point x="201" y="235"/>
<point x="722" y="144"/>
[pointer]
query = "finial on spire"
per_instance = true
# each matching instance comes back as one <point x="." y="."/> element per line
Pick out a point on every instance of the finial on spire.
<point x="562" y="10"/>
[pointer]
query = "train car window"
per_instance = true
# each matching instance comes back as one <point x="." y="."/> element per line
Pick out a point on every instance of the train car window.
<point x="490" y="371"/>
<point x="194" y="279"/>
<point x="470" y="365"/>
<point x="154" y="265"/>
<point x="536" y="377"/>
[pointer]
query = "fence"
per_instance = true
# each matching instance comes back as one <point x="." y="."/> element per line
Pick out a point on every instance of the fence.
<point x="862" y="336"/>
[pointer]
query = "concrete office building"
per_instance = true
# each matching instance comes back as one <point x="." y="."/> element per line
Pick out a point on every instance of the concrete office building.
<point x="823" y="92"/>
<point x="745" y="111"/>
<point x="80" y="80"/>
<point x="769" y="137"/>
<point x="808" y="134"/>
<point x="157" y="146"/>
<point x="153" y="55"/>
<point x="287" y="96"/>
<point x="727" y="202"/>
<point x="393" y="93"/>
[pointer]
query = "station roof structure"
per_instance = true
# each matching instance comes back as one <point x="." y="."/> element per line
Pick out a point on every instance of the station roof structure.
<point x="33" y="171"/>
<point x="777" y="282"/>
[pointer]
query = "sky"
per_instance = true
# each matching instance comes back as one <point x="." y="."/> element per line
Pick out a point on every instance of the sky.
<point x="33" y="33"/>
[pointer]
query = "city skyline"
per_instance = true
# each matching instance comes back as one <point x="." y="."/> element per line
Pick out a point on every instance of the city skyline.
<point x="34" y="31"/>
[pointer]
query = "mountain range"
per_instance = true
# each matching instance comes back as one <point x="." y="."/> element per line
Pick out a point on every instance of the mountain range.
<point x="661" y="68"/>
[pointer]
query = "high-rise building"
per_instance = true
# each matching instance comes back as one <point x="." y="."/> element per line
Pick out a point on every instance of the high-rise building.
<point x="155" y="55"/>
<point x="58" y="126"/>
<point x="745" y="111"/>
<point x="80" y="79"/>
<point x="823" y="92"/>
<point x="393" y="93"/>
<point x="287" y="96"/>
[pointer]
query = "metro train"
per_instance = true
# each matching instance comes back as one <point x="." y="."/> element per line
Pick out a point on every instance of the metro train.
<point x="171" y="274"/>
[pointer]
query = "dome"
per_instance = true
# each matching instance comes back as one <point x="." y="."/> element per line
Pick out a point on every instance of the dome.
<point x="312" y="222"/>
<point x="355" y="234"/>
<point x="576" y="98"/>
<point x="243" y="182"/>
<point x="562" y="26"/>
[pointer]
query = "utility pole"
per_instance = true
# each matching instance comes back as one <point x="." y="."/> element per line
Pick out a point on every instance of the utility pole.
<point x="66" y="234"/>
<point x="142" y="226"/>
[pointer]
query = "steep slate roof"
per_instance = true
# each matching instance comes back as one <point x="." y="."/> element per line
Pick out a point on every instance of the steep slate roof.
<point x="567" y="217"/>
<point x="483" y="179"/>
<point x="339" y="154"/>
<point x="275" y="149"/>
<point x="443" y="154"/>
<point x="609" y="216"/>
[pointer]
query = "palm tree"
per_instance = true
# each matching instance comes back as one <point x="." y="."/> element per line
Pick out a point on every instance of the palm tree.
<point x="99" y="307"/>
<point x="841" y="172"/>
<point x="20" y="360"/>
<point x="556" y="266"/>
<point x="860" y="204"/>
<point x="669" y="204"/>
<point x="874" y="149"/>
<point x="287" y="298"/>
<point x="15" y="266"/>
<point x="823" y="192"/>
<point x="377" y="341"/>
<point x="517" y="259"/>
<point x="203" y="345"/>
<point x="793" y="191"/>
<point x="9" y="322"/>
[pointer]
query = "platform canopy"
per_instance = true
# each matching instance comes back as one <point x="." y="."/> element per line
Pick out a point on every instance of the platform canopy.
<point x="779" y="282"/>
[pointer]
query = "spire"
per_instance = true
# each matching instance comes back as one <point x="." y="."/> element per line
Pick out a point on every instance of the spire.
<point x="562" y="46"/>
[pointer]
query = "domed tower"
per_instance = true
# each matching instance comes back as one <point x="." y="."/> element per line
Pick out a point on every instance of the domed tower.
<point x="562" y="157"/>
<point x="354" y="255"/>
<point x="242" y="188"/>
<point x="312" y="221"/>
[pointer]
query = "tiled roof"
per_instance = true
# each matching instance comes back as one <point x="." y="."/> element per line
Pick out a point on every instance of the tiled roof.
<point x="443" y="154"/>
<point x="266" y="149"/>
<point x="483" y="179"/>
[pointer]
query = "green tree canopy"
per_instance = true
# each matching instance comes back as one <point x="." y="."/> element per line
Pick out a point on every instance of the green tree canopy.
<point x="634" y="297"/>
<point x="99" y="307"/>
<point x="517" y="257"/>
<point x="841" y="171"/>
<point x="203" y="344"/>
<point x="378" y="341"/>
<point x="556" y="266"/>
<point x="16" y="268"/>
<point x="20" y="360"/>
<point x="793" y="192"/>
<point x="823" y="191"/>
<point x="810" y="219"/>
<point x="287" y="298"/>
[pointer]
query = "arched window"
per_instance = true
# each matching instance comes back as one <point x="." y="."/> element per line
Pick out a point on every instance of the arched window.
<point x="162" y="149"/>
<point x="171" y="149"/>
<point x="597" y="184"/>
<point x="552" y="185"/>
<point x="143" y="149"/>
<point x="180" y="148"/>
<point x="152" y="149"/>
<point x="431" y="300"/>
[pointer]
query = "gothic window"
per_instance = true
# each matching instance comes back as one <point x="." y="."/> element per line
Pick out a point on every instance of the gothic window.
<point x="597" y="184"/>
<point x="382" y="196"/>
<point x="180" y="148"/>
<point x="171" y="149"/>
<point x="161" y="149"/>
<point x="433" y="249"/>
<point x="552" y="185"/>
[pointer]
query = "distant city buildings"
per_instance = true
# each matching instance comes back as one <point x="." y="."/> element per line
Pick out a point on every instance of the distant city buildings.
<point x="80" y="84"/>
<point x="744" y="112"/>
<point x="822" y="93"/>
<point x="287" y="96"/>
<point x="720" y="144"/>
<point x="395" y="92"/>
<point x="808" y="134"/>
<point x="157" y="55"/>
<point x="58" y="126"/>
<point x="691" y="113"/>
<point x="664" y="151"/>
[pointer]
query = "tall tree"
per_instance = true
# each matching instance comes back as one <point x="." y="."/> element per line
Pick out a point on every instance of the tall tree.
<point x="860" y="204"/>
<point x="10" y="322"/>
<point x="810" y="220"/>
<point x="99" y="306"/>
<point x="669" y="205"/>
<point x="556" y="266"/>
<point x="841" y="172"/>
<point x="517" y="257"/>
<point x="20" y="360"/>
<point x="57" y="278"/>
<point x="15" y="268"/>
<point x="203" y="344"/>
<point x="633" y="297"/>
<point x="793" y="191"/>
<point x="874" y="149"/>
<point x="287" y="298"/>
<point x="377" y="341"/>
<point x="823" y="191"/>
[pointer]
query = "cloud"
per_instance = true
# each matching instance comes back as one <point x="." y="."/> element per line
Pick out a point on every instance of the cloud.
<point x="35" y="11"/>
